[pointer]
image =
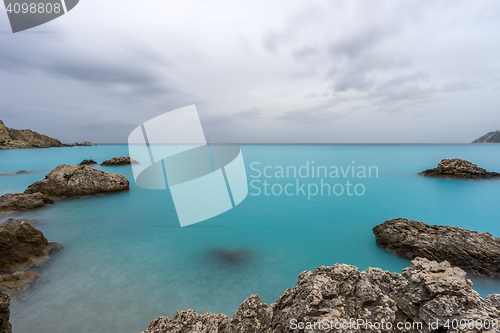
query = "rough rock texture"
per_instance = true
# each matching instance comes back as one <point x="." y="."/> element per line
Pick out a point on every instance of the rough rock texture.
<point x="85" y="144"/>
<point x="23" y="246"/>
<point x="17" y="283"/>
<point x="11" y="139"/>
<point x="5" y="326"/>
<point x="491" y="137"/>
<point x="458" y="168"/>
<point x="87" y="162"/>
<point x="78" y="180"/>
<point x="123" y="160"/>
<point x="425" y="292"/>
<point x="475" y="252"/>
<point x="20" y="202"/>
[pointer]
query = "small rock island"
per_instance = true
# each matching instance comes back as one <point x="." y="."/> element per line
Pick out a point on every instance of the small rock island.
<point x="474" y="252"/>
<point x="460" y="169"/>
<point x="491" y="137"/>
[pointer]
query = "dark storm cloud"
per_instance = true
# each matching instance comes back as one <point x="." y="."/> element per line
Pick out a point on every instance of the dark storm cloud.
<point x="121" y="66"/>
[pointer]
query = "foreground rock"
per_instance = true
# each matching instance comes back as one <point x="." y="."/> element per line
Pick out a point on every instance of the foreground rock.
<point x="458" y="168"/>
<point x="87" y="162"/>
<point x="475" y="252"/>
<point x="5" y="326"/>
<point x="23" y="246"/>
<point x="425" y="292"/>
<point x="14" y="139"/>
<point x="123" y="160"/>
<point x="21" y="202"/>
<point x="491" y="137"/>
<point x="78" y="180"/>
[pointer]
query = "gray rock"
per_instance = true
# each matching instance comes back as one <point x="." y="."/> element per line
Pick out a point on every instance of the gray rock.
<point x="123" y="160"/>
<point x="21" y="202"/>
<point x="475" y="252"/>
<point x="5" y="326"/>
<point x="78" y="180"/>
<point x="425" y="292"/>
<point x="458" y="168"/>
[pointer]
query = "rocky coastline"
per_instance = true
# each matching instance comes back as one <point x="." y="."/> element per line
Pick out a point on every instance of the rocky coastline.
<point x="459" y="169"/>
<point x="426" y="292"/>
<point x="474" y="252"/>
<point x="22" y="247"/>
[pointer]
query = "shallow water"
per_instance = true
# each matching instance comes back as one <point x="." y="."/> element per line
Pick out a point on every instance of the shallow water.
<point x="127" y="261"/>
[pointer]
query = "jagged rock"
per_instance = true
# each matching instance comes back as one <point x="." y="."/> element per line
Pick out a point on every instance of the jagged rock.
<point x="20" y="202"/>
<point x="14" y="139"/>
<point x="17" y="283"/>
<point x="23" y="246"/>
<point x="87" y="162"/>
<point x="5" y="326"/>
<point x="491" y="137"/>
<point x="123" y="160"/>
<point x="78" y="180"/>
<point x="458" y="168"/>
<point x="475" y="252"/>
<point x="339" y="295"/>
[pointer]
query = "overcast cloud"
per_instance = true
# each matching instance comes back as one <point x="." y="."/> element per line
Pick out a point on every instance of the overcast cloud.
<point x="259" y="71"/>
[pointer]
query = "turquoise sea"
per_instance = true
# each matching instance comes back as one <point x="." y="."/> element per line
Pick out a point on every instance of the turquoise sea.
<point x="126" y="260"/>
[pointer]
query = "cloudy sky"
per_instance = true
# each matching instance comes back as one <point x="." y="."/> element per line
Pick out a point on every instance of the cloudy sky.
<point x="259" y="71"/>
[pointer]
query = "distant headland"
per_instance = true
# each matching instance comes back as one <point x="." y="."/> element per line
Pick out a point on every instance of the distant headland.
<point x="491" y="137"/>
<point x="11" y="138"/>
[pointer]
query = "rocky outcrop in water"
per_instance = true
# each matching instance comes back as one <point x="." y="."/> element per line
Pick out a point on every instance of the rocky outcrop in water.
<point x="21" y="202"/>
<point x="15" y="139"/>
<point x="78" y="180"/>
<point x="23" y="246"/>
<point x="458" y="168"/>
<point x="491" y="137"/>
<point x="475" y="252"/>
<point x="340" y="295"/>
<point x="123" y="160"/>
<point x="87" y="162"/>
<point x="5" y="326"/>
<point x="83" y="144"/>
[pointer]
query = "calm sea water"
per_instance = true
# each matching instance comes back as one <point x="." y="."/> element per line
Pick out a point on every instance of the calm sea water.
<point x="127" y="261"/>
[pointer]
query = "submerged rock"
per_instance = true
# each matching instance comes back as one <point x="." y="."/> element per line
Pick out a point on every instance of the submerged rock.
<point x="87" y="162"/>
<point x="458" y="168"/>
<point x="21" y="202"/>
<point x="78" y="180"/>
<point x="228" y="256"/>
<point x="5" y="326"/>
<point x="338" y="295"/>
<point x="17" y="283"/>
<point x="23" y="246"/>
<point x="21" y="172"/>
<point x="123" y="160"/>
<point x="473" y="251"/>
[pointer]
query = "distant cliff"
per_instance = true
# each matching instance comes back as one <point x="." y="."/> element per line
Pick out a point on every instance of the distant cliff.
<point x="15" y="139"/>
<point x="491" y="137"/>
